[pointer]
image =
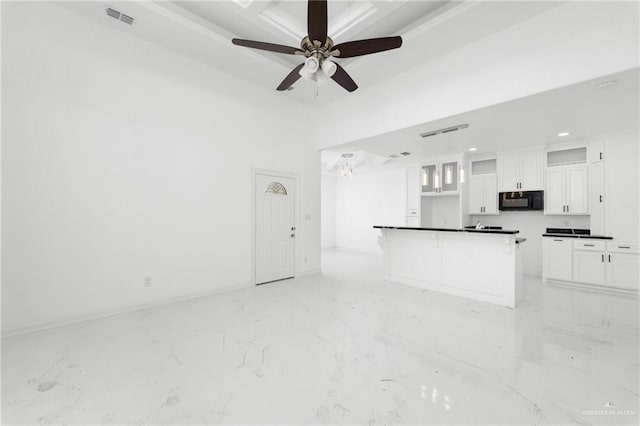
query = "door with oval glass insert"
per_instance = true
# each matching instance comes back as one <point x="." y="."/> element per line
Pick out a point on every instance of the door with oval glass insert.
<point x="275" y="228"/>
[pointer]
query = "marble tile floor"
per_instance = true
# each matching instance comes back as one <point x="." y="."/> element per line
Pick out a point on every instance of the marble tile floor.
<point x="343" y="347"/>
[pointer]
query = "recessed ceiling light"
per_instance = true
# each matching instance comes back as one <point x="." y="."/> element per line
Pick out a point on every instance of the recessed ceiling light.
<point x="563" y="134"/>
<point x="606" y="84"/>
<point x="473" y="149"/>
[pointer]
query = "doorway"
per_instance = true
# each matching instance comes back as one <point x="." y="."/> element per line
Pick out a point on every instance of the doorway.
<point x="275" y="229"/>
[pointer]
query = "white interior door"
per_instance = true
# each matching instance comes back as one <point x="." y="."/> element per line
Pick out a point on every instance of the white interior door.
<point x="275" y="228"/>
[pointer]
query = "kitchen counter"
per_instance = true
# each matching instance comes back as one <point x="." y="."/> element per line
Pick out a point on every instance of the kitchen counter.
<point x="481" y="231"/>
<point x="483" y="264"/>
<point x="593" y="237"/>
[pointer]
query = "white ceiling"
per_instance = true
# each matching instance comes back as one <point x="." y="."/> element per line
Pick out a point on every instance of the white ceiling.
<point x="581" y="109"/>
<point x="202" y="30"/>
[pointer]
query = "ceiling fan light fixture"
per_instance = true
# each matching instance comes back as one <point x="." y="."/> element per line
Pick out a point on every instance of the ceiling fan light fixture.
<point x="311" y="64"/>
<point x="329" y="68"/>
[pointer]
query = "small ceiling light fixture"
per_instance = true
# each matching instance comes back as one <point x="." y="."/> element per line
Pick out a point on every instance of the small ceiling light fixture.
<point x="347" y="167"/>
<point x="563" y="134"/>
<point x="606" y="84"/>
<point x="473" y="149"/>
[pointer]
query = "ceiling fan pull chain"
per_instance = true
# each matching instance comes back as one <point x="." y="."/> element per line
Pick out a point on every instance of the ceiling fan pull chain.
<point x="316" y="92"/>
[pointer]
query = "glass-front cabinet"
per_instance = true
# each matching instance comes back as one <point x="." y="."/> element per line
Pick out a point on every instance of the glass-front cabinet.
<point x="439" y="178"/>
<point x="427" y="178"/>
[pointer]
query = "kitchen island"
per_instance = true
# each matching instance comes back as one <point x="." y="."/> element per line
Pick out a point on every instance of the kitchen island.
<point x="479" y="264"/>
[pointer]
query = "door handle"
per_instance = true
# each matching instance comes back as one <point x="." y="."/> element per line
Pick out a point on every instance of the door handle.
<point x="601" y="156"/>
<point x="567" y="208"/>
<point x="293" y="228"/>
<point x="293" y="235"/>
<point x="564" y="209"/>
<point x="559" y="240"/>
<point x="603" y="258"/>
<point x="589" y="245"/>
<point x="601" y="198"/>
<point x="609" y="258"/>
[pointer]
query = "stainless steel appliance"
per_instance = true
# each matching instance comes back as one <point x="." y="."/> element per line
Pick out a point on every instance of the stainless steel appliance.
<point x="521" y="200"/>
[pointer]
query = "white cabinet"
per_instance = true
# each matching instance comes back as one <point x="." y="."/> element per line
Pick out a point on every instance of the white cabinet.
<point x="557" y="259"/>
<point x="439" y="178"/>
<point x="566" y="190"/>
<point x="589" y="261"/>
<point x="412" y="197"/>
<point x="595" y="151"/>
<point x="597" y="198"/>
<point x="592" y="261"/>
<point x="623" y="263"/>
<point x="483" y="194"/>
<point x="520" y="172"/>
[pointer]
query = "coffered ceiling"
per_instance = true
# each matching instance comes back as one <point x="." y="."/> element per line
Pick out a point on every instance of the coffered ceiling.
<point x="202" y="30"/>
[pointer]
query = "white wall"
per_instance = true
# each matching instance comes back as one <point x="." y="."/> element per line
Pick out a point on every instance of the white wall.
<point x="365" y="200"/>
<point x="328" y="209"/>
<point x="123" y="160"/>
<point x="573" y="42"/>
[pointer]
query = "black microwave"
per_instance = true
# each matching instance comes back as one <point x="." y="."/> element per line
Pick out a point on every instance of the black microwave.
<point x="521" y="200"/>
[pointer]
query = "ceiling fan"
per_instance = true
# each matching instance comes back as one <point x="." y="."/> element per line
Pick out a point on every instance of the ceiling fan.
<point x="318" y="49"/>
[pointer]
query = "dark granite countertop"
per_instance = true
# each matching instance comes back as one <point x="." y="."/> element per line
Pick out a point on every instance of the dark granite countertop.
<point x="586" y="237"/>
<point x="474" y="231"/>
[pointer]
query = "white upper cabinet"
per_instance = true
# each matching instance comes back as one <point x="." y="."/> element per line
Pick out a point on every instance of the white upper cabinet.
<point x="439" y="178"/>
<point x="566" y="190"/>
<point x="595" y="151"/>
<point x="520" y="172"/>
<point x="483" y="194"/>
<point x="483" y="187"/>
<point x="566" y="186"/>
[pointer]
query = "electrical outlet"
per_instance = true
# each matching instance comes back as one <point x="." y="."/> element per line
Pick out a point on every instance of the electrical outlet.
<point x="147" y="282"/>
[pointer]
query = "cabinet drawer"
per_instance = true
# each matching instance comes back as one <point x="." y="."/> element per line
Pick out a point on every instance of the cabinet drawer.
<point x="623" y="247"/>
<point x="588" y="245"/>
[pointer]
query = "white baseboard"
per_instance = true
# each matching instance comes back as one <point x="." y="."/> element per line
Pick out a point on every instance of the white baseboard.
<point x="83" y="318"/>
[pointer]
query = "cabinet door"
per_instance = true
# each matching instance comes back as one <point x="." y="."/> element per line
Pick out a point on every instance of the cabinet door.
<point x="596" y="198"/>
<point x="576" y="190"/>
<point x="558" y="258"/>
<point x="490" y="194"/>
<point x="509" y="171"/>
<point x="412" y="221"/>
<point x="622" y="270"/>
<point x="531" y="171"/>
<point x="595" y="151"/>
<point x="588" y="266"/>
<point x="449" y="177"/>
<point x="427" y="178"/>
<point x="554" y="193"/>
<point x="413" y="189"/>
<point x="475" y="195"/>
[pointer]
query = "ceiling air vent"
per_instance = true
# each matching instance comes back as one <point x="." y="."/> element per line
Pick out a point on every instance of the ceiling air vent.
<point x="394" y="156"/>
<point x="119" y="16"/>
<point x="405" y="153"/>
<point x="445" y="130"/>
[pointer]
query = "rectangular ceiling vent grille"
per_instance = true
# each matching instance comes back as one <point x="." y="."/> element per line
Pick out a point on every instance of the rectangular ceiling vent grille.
<point x="405" y="153"/>
<point x="119" y="16"/>
<point x="445" y="130"/>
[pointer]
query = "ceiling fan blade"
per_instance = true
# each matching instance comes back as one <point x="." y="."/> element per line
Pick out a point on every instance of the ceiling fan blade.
<point x="266" y="46"/>
<point x="365" y="47"/>
<point x="342" y="78"/>
<point x="317" y="20"/>
<point x="291" y="78"/>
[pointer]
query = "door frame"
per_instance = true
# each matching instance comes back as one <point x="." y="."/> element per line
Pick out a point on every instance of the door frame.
<point x="297" y="216"/>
